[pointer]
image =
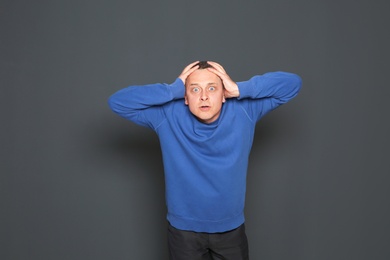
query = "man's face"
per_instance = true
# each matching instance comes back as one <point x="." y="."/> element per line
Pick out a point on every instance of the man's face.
<point x="204" y="95"/>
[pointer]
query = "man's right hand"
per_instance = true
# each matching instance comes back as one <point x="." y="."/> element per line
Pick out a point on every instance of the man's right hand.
<point x="188" y="70"/>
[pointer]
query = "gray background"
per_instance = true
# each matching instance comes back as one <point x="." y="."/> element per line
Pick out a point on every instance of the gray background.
<point x="78" y="182"/>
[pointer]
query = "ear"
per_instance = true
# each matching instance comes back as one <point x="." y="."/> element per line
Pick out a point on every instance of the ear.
<point x="223" y="99"/>
<point x="185" y="100"/>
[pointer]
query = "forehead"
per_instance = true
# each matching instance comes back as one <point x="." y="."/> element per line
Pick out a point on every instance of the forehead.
<point x="202" y="76"/>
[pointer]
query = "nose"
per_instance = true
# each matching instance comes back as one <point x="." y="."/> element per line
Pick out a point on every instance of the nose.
<point x="204" y="96"/>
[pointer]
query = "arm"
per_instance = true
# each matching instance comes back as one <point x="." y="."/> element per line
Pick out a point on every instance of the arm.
<point x="266" y="92"/>
<point x="280" y="86"/>
<point x="142" y="104"/>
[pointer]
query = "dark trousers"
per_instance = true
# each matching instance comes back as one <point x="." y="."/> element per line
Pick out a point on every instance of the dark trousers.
<point x="188" y="245"/>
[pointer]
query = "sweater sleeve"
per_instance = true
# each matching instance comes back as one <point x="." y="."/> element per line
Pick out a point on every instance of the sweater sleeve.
<point x="263" y="93"/>
<point x="144" y="104"/>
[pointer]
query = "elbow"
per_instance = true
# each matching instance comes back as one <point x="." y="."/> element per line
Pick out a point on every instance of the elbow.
<point x="290" y="80"/>
<point x="111" y="103"/>
<point x="297" y="83"/>
<point x="294" y="84"/>
<point x="114" y="105"/>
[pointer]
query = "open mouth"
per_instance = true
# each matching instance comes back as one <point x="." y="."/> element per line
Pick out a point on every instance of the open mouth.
<point x="204" y="108"/>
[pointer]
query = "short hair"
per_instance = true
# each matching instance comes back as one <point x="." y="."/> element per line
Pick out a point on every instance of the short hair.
<point x="203" y="65"/>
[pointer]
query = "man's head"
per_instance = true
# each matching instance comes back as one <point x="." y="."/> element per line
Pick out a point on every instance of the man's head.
<point x="204" y="93"/>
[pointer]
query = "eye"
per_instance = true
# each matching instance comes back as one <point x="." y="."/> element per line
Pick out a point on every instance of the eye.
<point x="211" y="88"/>
<point x="196" y="90"/>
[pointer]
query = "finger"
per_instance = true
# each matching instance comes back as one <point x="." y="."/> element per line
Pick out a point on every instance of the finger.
<point x="217" y="66"/>
<point x="189" y="71"/>
<point x="188" y="67"/>
<point x="217" y="72"/>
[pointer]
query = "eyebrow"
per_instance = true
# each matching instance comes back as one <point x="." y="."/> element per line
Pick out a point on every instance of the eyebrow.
<point x="197" y="84"/>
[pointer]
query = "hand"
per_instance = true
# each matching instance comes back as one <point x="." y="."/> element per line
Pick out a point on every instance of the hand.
<point x="188" y="70"/>
<point x="231" y="88"/>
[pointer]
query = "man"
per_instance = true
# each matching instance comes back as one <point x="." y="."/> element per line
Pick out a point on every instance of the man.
<point x="205" y="122"/>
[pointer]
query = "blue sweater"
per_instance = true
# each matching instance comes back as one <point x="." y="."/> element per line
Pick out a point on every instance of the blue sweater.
<point x="205" y="164"/>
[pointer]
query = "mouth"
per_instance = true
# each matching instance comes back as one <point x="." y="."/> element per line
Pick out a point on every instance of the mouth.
<point x="204" y="108"/>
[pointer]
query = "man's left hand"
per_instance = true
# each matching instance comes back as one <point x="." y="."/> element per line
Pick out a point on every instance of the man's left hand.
<point x="231" y="88"/>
